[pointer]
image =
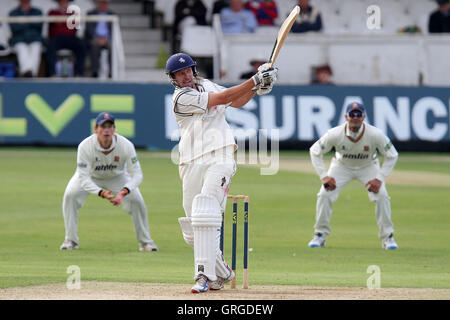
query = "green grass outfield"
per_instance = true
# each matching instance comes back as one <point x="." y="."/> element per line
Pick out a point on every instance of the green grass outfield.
<point x="282" y="211"/>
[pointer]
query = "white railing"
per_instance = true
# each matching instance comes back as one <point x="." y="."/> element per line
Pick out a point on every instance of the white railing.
<point x="218" y="35"/>
<point x="117" y="51"/>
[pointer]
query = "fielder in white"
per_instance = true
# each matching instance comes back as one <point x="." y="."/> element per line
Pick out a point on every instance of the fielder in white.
<point x="107" y="166"/>
<point x="207" y="163"/>
<point x="356" y="146"/>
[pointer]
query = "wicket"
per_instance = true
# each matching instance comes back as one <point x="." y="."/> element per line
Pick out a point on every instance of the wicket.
<point x="234" y="237"/>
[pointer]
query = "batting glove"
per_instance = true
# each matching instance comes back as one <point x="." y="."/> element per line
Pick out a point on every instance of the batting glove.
<point x="264" y="90"/>
<point x="265" y="78"/>
<point x="273" y="75"/>
<point x="269" y="77"/>
<point x="264" y="67"/>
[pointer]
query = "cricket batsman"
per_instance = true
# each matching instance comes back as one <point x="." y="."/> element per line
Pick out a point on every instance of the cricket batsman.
<point x="207" y="163"/>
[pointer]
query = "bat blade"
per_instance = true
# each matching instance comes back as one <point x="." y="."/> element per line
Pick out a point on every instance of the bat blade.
<point x="282" y="33"/>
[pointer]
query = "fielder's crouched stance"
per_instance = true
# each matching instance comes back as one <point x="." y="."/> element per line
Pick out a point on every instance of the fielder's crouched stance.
<point x="207" y="163"/>
<point x="356" y="145"/>
<point x="106" y="161"/>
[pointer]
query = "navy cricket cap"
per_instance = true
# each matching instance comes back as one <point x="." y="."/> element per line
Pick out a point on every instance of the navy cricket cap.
<point x="103" y="117"/>
<point x="355" y="106"/>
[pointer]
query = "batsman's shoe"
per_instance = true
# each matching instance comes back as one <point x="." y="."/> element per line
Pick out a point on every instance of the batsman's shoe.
<point x="389" y="243"/>
<point x="319" y="241"/>
<point x="68" y="245"/>
<point x="202" y="285"/>
<point x="148" y="247"/>
<point x="220" y="282"/>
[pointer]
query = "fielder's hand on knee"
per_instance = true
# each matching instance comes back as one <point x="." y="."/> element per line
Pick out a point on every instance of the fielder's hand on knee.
<point x="106" y="194"/>
<point x="117" y="200"/>
<point x="329" y="183"/>
<point x="373" y="185"/>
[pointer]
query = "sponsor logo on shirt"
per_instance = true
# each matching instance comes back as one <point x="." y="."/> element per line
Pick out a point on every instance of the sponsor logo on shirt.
<point x="106" y="167"/>
<point x="359" y="156"/>
<point x="134" y="160"/>
<point x="366" y="148"/>
<point x="388" y="146"/>
<point x="82" y="165"/>
<point x="116" y="159"/>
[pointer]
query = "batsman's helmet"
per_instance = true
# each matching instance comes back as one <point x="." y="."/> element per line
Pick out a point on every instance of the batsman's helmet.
<point x="180" y="61"/>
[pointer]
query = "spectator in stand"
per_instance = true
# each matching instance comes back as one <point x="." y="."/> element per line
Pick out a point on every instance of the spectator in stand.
<point x="440" y="19"/>
<point x="237" y="19"/>
<point x="322" y="75"/>
<point x="309" y="18"/>
<point x="187" y="12"/>
<point x="62" y="37"/>
<point x="255" y="63"/>
<point x="26" y="39"/>
<point x="98" y="36"/>
<point x="219" y="5"/>
<point x="265" y="11"/>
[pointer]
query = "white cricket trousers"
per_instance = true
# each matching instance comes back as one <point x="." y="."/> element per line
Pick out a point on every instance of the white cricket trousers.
<point x="209" y="175"/>
<point x="133" y="203"/>
<point x="204" y="175"/>
<point x="344" y="175"/>
<point x="28" y="56"/>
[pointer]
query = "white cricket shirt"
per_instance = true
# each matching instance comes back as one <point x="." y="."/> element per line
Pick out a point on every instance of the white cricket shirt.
<point x="202" y="129"/>
<point x="354" y="151"/>
<point x="95" y="162"/>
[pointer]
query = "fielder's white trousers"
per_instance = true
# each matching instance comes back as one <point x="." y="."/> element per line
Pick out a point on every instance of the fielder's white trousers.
<point x="211" y="175"/>
<point x="344" y="175"/>
<point x="133" y="203"/>
<point x="28" y="56"/>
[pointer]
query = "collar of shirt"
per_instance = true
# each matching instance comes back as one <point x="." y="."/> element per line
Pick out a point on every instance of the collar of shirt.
<point x="353" y="135"/>
<point x="100" y="148"/>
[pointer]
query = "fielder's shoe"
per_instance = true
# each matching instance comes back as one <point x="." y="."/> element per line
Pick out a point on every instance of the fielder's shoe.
<point x="220" y="282"/>
<point x="389" y="243"/>
<point x="202" y="284"/>
<point x="319" y="241"/>
<point x="68" y="245"/>
<point x="148" y="247"/>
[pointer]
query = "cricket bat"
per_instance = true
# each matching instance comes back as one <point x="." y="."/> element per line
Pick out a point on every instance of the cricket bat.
<point x="282" y="33"/>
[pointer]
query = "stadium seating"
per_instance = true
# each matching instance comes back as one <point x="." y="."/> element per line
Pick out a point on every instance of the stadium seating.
<point x="436" y="53"/>
<point x="44" y="6"/>
<point x="381" y="61"/>
<point x="355" y="60"/>
<point x="344" y="43"/>
<point x="199" y="41"/>
<point x="339" y="17"/>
